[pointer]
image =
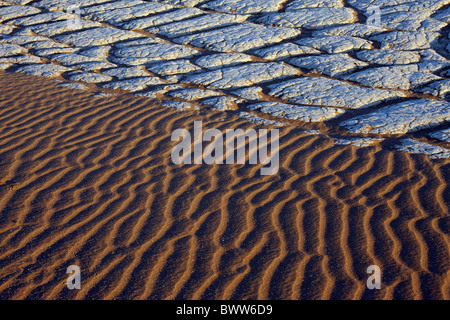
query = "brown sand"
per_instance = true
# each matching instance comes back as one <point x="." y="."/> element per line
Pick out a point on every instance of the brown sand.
<point x="88" y="181"/>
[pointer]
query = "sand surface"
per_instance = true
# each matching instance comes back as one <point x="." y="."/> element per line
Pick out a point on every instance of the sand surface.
<point x="88" y="180"/>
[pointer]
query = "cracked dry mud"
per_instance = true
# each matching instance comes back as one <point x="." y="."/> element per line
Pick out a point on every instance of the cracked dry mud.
<point x="272" y="61"/>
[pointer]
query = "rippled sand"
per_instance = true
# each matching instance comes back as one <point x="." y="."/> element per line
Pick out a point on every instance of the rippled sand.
<point x="88" y="180"/>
